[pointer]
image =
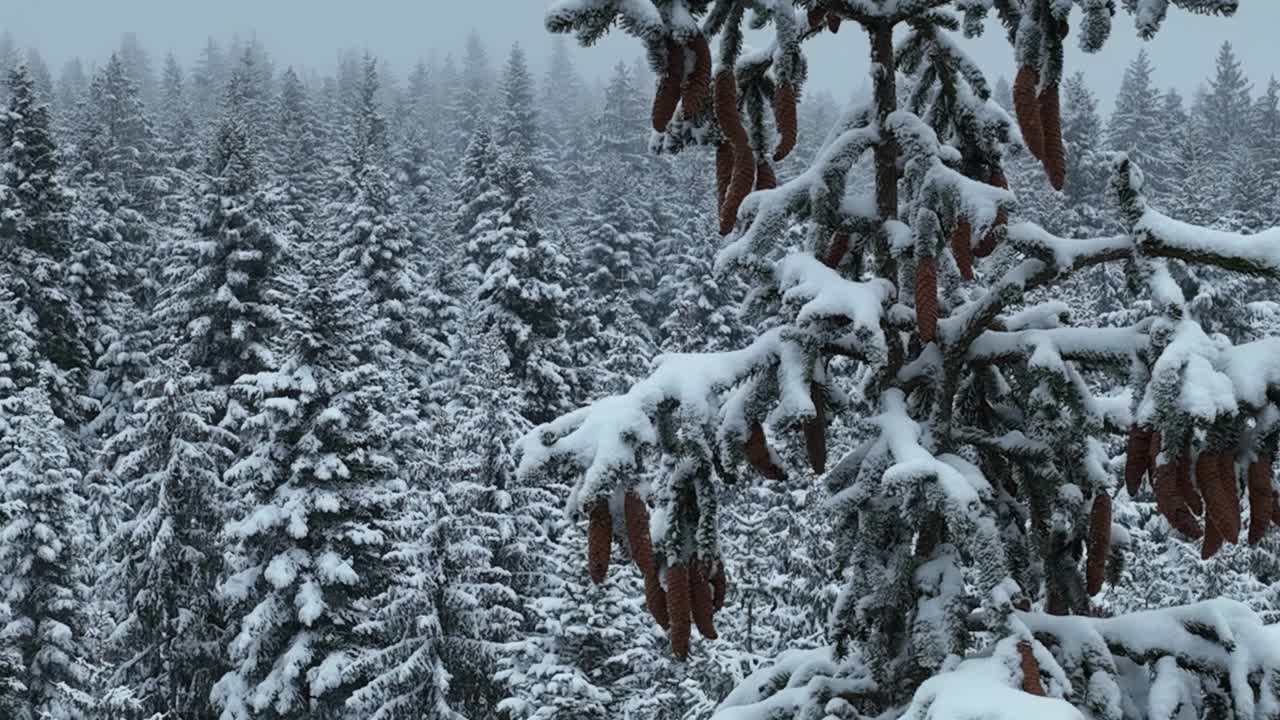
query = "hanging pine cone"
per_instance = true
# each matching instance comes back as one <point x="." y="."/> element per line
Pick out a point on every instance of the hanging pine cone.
<point x="836" y="250"/>
<point x="833" y="22"/>
<point x="1219" y="509"/>
<point x="1026" y="105"/>
<point x="719" y="588"/>
<point x="724" y="170"/>
<point x="1056" y="604"/>
<point x="1259" y="498"/>
<point x="765" y="179"/>
<point x="599" y="541"/>
<point x="784" y="115"/>
<point x="1169" y="502"/>
<point x="1030" y="669"/>
<point x="700" y="602"/>
<point x="668" y="95"/>
<point x="1136" y="458"/>
<point x="817" y="16"/>
<point x="698" y="89"/>
<point x="927" y="298"/>
<point x="1212" y="541"/>
<point x="1231" y="490"/>
<point x="757" y="451"/>
<point x="678" y="605"/>
<point x="1055" y="154"/>
<point x="1187" y="487"/>
<point x="961" y="248"/>
<point x="744" y="166"/>
<point x="988" y="243"/>
<point x="637" y="521"/>
<point x="815" y="430"/>
<point x="1099" y="542"/>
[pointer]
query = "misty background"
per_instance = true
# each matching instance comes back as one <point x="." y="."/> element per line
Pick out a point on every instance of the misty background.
<point x="309" y="33"/>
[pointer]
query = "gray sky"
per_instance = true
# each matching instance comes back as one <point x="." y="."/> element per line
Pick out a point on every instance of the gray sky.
<point x="309" y="32"/>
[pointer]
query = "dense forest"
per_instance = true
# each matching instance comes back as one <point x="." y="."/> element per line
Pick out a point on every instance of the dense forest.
<point x="293" y="358"/>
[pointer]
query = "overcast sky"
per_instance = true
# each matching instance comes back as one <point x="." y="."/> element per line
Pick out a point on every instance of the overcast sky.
<point x="309" y="32"/>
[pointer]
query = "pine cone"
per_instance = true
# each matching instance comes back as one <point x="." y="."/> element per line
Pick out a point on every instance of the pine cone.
<point x="1170" y="503"/>
<point x="833" y="22"/>
<point x="700" y="602"/>
<point x="836" y="250"/>
<point x="668" y="95"/>
<point x="1231" y="490"/>
<point x="815" y="430"/>
<point x="719" y="588"/>
<point x="1026" y="105"/>
<point x="1218" y="504"/>
<point x="1212" y="541"/>
<point x="724" y="170"/>
<point x="1259" y="499"/>
<point x="988" y="243"/>
<point x="599" y="541"/>
<point x="678" y="604"/>
<point x="784" y="115"/>
<point x="698" y="89"/>
<point x="1136" y="458"/>
<point x="961" y="248"/>
<point x="1056" y="604"/>
<point x="1099" y="542"/>
<point x="744" y="166"/>
<point x="817" y="16"/>
<point x="927" y="298"/>
<point x="1055" y="154"/>
<point x="1030" y="670"/>
<point x="757" y="450"/>
<point x="765" y="179"/>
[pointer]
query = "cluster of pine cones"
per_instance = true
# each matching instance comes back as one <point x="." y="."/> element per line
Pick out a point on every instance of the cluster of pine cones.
<point x="695" y="591"/>
<point x="1206" y="487"/>
<point x="1040" y="118"/>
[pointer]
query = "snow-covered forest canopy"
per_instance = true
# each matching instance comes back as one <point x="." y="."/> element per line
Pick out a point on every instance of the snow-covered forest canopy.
<point x="681" y="390"/>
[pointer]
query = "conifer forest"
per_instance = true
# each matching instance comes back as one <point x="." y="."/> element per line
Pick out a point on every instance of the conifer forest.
<point x="517" y="385"/>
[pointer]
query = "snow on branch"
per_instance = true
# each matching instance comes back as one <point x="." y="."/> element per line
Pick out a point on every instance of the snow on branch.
<point x="1162" y="236"/>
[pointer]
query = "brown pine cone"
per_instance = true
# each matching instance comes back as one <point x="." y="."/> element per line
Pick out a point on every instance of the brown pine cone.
<point x="655" y="599"/>
<point x="599" y="541"/>
<point x="1217" y="497"/>
<point x="784" y="115"/>
<point x="744" y="165"/>
<point x="1136" y="458"/>
<point x="815" y="430"/>
<point x="678" y="605"/>
<point x="1026" y="105"/>
<point x="1056" y="604"/>
<point x="1055" y="154"/>
<point x="765" y="179"/>
<point x="962" y="249"/>
<point x="1030" y="670"/>
<point x="1231" y="490"/>
<point x="700" y="602"/>
<point x="1212" y="541"/>
<point x="668" y="95"/>
<point x="833" y="22"/>
<point x="927" y="298"/>
<point x="637" y="520"/>
<point x="724" y="170"/>
<point x="757" y="450"/>
<point x="719" y="588"/>
<point x="698" y="89"/>
<point x="1259" y="499"/>
<point x="817" y="16"/>
<point x="1187" y="487"/>
<point x="836" y="250"/>
<point x="1099" y="542"/>
<point x="1170" y="503"/>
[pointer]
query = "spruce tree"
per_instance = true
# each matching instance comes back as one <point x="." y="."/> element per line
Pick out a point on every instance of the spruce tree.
<point x="980" y="495"/>
<point x="36" y="231"/>
<point x="1135" y="125"/>
<point x="40" y="559"/>
<point x="321" y="490"/>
